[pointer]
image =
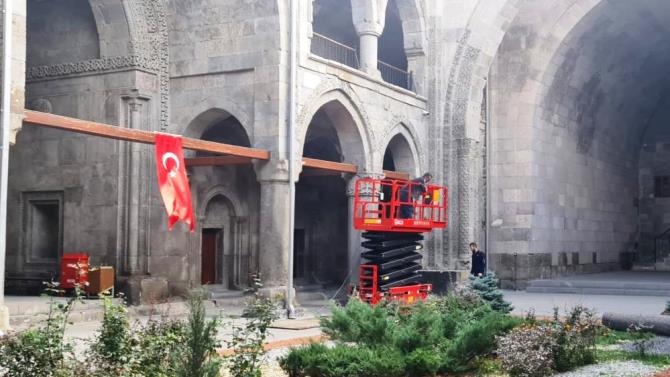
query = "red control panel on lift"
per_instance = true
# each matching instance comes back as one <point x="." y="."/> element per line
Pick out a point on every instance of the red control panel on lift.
<point x="392" y="205"/>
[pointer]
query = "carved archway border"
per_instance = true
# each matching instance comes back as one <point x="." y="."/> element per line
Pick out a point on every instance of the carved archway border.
<point x="401" y="125"/>
<point x="350" y="101"/>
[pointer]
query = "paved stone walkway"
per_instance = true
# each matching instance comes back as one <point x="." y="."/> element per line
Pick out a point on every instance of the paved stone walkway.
<point x="543" y="303"/>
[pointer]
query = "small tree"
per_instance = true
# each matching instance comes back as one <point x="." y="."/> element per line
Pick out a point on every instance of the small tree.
<point x="114" y="347"/>
<point x="200" y="358"/>
<point x="248" y="340"/>
<point x="487" y="288"/>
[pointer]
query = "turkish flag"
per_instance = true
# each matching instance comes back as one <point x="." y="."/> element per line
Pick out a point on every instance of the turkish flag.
<point x="172" y="180"/>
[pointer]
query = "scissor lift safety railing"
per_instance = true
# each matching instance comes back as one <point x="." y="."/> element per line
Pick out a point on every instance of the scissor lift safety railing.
<point x="390" y="205"/>
<point x="393" y="214"/>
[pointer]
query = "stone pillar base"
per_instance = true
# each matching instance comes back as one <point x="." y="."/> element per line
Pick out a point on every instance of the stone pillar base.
<point x="444" y="281"/>
<point x="4" y="319"/>
<point x="146" y="290"/>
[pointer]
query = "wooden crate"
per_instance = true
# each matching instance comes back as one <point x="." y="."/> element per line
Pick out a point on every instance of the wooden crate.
<point x="100" y="279"/>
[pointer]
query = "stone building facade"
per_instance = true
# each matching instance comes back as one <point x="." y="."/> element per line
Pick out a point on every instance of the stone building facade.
<point x="544" y="119"/>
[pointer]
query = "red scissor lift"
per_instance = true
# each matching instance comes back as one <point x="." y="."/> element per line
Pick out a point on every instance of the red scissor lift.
<point x="393" y="215"/>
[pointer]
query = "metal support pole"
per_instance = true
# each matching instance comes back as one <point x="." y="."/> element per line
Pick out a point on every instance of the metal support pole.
<point x="291" y="152"/>
<point x="4" y="153"/>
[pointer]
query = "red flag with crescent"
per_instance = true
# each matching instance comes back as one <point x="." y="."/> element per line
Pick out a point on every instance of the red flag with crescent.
<point x="172" y="180"/>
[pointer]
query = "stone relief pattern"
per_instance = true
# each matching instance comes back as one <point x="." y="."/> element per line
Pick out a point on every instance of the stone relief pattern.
<point x="446" y="147"/>
<point x="149" y="31"/>
<point x="95" y="65"/>
<point x="464" y="151"/>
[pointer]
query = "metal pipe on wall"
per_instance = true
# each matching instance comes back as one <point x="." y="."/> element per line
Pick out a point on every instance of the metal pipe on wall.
<point x="4" y="153"/>
<point x="291" y="152"/>
<point x="487" y="233"/>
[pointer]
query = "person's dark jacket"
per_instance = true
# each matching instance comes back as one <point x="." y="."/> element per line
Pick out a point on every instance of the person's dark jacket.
<point x="478" y="263"/>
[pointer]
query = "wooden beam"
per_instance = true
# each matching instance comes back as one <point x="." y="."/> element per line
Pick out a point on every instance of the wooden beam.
<point x="329" y="165"/>
<point x="217" y="161"/>
<point x="396" y="175"/>
<point x="311" y="172"/>
<point x="139" y="136"/>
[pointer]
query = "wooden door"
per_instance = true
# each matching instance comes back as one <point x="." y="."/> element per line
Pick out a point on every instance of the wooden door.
<point x="208" y="256"/>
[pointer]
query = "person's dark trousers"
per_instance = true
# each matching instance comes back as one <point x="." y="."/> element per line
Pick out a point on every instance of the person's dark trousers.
<point x="406" y="211"/>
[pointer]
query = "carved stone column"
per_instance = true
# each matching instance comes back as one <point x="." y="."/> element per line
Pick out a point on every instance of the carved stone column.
<point x="134" y="197"/>
<point x="465" y="151"/>
<point x="369" y="17"/>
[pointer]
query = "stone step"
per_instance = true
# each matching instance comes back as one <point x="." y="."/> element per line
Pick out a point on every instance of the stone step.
<point x="311" y="296"/>
<point x="600" y="287"/>
<point x="644" y="267"/>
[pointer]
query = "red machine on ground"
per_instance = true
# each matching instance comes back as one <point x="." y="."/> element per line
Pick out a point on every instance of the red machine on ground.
<point x="393" y="214"/>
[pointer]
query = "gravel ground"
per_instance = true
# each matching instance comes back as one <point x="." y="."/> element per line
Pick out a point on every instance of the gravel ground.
<point x="656" y="346"/>
<point x="614" y="369"/>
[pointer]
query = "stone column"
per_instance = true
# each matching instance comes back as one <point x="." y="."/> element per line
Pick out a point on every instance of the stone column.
<point x="274" y="233"/>
<point x="465" y="151"/>
<point x="134" y="199"/>
<point x="369" y="17"/>
<point x="15" y="119"/>
<point x="274" y="226"/>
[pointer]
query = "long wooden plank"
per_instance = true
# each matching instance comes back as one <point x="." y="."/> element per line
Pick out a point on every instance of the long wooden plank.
<point x="146" y="137"/>
<point x="396" y="175"/>
<point x="329" y="165"/>
<point x="311" y="172"/>
<point x="218" y="161"/>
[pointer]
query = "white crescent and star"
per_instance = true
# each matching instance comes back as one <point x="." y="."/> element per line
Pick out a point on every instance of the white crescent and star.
<point x="171" y="156"/>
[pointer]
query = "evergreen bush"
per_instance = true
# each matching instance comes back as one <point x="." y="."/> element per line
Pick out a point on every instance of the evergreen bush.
<point x="439" y="336"/>
<point x="487" y="288"/>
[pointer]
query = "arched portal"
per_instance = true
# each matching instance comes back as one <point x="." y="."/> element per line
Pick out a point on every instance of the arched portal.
<point x="322" y="224"/>
<point x="228" y="197"/>
<point x="399" y="156"/>
<point x="218" y="241"/>
<point x="579" y="122"/>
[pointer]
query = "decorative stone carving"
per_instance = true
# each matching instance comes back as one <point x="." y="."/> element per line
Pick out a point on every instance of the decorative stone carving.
<point x="149" y="31"/>
<point x="325" y="87"/>
<point x="95" y="65"/>
<point x="41" y="104"/>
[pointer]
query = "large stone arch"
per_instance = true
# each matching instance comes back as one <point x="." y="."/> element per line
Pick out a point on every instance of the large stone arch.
<point x="413" y="26"/>
<point x="204" y="116"/>
<point x="353" y="130"/>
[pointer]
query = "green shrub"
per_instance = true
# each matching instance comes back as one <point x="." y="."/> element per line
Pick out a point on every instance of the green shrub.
<point x="41" y="352"/>
<point x="439" y="335"/>
<point x="421" y="327"/>
<point x="113" y="350"/>
<point x="575" y="339"/>
<point x="161" y="345"/>
<point x="422" y="362"/>
<point x="200" y="358"/>
<point x="475" y="339"/>
<point x="317" y="360"/>
<point x="247" y="341"/>
<point x="487" y="288"/>
<point x="358" y="321"/>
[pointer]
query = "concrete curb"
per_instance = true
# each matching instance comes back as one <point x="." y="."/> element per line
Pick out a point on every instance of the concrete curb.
<point x="658" y="324"/>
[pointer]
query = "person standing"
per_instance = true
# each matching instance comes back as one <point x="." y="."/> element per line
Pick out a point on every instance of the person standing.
<point x="417" y="188"/>
<point x="478" y="260"/>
